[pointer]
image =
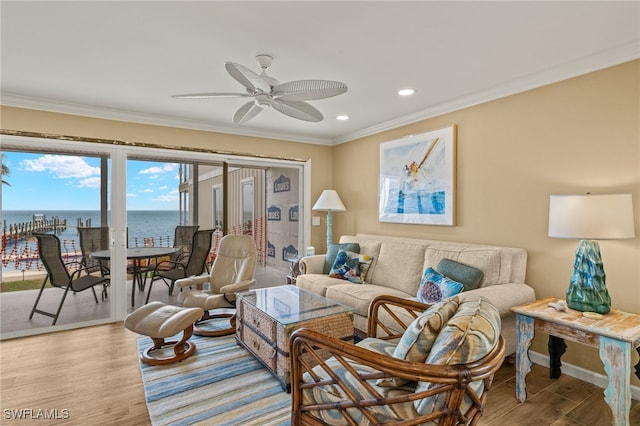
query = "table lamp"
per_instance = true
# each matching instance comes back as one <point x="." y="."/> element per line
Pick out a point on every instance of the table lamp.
<point x="329" y="201"/>
<point x="588" y="218"/>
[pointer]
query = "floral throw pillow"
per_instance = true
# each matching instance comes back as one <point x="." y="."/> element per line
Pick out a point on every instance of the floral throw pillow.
<point x="351" y="266"/>
<point x="435" y="287"/>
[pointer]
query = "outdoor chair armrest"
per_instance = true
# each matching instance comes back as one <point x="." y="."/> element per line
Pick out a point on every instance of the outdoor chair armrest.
<point x="392" y="305"/>
<point x="159" y="266"/>
<point x="77" y="272"/>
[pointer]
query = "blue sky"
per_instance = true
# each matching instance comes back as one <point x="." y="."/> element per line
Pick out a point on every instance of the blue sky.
<point x="62" y="182"/>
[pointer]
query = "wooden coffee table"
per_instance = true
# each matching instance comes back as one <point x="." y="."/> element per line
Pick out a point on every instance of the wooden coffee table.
<point x="266" y="318"/>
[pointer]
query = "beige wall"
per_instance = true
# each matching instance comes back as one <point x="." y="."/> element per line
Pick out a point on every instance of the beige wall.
<point x="575" y="136"/>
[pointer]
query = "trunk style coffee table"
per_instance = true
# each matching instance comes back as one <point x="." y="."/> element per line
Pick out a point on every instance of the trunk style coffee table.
<point x="266" y="317"/>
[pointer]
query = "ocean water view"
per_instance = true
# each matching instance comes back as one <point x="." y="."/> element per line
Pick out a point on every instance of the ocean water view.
<point x="157" y="226"/>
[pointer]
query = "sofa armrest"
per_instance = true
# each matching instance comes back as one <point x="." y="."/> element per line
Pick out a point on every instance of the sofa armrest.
<point x="391" y="305"/>
<point x="312" y="264"/>
<point x="502" y="296"/>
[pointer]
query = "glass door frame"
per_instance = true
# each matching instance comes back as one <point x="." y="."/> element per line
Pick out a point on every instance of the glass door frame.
<point x="119" y="155"/>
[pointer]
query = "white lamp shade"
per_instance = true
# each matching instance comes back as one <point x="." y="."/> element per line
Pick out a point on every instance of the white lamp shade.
<point x="591" y="217"/>
<point x="330" y="201"/>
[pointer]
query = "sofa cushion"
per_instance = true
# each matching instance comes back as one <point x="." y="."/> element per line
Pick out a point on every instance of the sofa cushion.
<point x="435" y="287"/>
<point x="332" y="252"/>
<point x="399" y="266"/>
<point x="350" y="266"/>
<point x="469" y="276"/>
<point x="418" y="338"/>
<point x="469" y="335"/>
<point x="358" y="296"/>
<point x="485" y="259"/>
<point x="317" y="283"/>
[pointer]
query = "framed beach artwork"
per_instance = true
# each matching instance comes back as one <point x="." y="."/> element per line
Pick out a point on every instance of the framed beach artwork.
<point x="417" y="179"/>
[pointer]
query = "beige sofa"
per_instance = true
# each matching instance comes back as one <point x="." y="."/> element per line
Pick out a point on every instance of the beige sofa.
<point x="397" y="268"/>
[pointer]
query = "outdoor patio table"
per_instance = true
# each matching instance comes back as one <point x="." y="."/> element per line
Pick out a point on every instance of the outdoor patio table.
<point x="136" y="254"/>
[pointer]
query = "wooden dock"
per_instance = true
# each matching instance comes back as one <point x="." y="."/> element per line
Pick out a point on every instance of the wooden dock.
<point x="39" y="224"/>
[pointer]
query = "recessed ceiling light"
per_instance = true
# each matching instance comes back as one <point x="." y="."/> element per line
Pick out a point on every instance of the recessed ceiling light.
<point x="406" y="92"/>
<point x="342" y="117"/>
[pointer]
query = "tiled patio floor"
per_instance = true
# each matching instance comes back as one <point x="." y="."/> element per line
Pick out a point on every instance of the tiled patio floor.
<point x="15" y="307"/>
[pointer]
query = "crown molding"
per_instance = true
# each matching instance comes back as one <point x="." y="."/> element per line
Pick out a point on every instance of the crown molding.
<point x="18" y="101"/>
<point x="601" y="60"/>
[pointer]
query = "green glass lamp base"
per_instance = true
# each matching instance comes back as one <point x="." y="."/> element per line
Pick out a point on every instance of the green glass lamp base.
<point x="587" y="291"/>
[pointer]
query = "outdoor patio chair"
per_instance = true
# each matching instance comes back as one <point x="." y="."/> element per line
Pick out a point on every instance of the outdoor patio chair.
<point x="94" y="239"/>
<point x="170" y="270"/>
<point x="182" y="241"/>
<point x="232" y="272"/>
<point x="59" y="275"/>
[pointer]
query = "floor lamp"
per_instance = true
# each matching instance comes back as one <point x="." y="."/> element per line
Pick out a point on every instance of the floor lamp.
<point x="588" y="218"/>
<point x="329" y="201"/>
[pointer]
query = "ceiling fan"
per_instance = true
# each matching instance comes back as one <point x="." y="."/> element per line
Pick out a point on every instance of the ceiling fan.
<point x="288" y="98"/>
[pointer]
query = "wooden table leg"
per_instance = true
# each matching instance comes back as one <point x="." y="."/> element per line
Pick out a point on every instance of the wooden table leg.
<point x="557" y="347"/>
<point x="616" y="357"/>
<point x="523" y="363"/>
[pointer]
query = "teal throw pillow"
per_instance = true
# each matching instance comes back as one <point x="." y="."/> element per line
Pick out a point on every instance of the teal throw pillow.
<point x="469" y="276"/>
<point x="333" y="250"/>
<point x="350" y="266"/>
<point x="435" y="287"/>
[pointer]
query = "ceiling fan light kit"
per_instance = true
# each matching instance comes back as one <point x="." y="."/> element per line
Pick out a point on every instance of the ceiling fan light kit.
<point x="267" y="92"/>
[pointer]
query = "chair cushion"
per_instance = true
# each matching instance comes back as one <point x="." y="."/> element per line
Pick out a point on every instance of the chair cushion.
<point x="470" y="334"/>
<point x="333" y="250"/>
<point x="333" y="394"/>
<point x="469" y="276"/>
<point x="206" y="300"/>
<point x="156" y="319"/>
<point x="417" y="340"/>
<point x="435" y="287"/>
<point x="350" y="266"/>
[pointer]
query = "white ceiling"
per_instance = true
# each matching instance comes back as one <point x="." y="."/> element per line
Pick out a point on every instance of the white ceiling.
<point x="124" y="60"/>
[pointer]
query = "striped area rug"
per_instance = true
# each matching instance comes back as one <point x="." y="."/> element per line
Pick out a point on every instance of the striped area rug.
<point x="220" y="384"/>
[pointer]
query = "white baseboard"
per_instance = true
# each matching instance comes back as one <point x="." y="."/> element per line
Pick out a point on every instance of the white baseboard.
<point x="583" y="374"/>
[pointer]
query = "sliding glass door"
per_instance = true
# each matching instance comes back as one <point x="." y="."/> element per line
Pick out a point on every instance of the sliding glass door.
<point x="61" y="190"/>
<point x="139" y="196"/>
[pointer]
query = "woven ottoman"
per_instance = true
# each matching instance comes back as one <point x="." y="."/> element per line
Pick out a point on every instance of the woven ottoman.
<point x="160" y="321"/>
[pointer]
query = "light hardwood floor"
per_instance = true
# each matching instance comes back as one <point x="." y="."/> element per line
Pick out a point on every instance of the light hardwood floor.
<point x="93" y="373"/>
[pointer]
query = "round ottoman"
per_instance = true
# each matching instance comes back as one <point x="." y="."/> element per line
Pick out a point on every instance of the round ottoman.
<point x="160" y="321"/>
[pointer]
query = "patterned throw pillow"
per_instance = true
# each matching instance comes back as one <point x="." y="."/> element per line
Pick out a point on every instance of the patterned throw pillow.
<point x="470" y="334"/>
<point x="418" y="338"/>
<point x="332" y="251"/>
<point x="351" y="266"/>
<point x="435" y="287"/>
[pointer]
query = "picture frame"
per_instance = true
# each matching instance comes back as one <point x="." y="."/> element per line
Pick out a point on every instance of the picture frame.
<point x="418" y="179"/>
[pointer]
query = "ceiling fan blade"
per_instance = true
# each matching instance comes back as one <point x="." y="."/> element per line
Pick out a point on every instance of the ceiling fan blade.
<point x="246" y="112"/>
<point x="211" y="95"/>
<point x="297" y="109"/>
<point x="306" y="90"/>
<point x="249" y="79"/>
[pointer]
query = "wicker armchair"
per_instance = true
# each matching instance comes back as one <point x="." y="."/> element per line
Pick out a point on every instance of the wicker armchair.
<point x="334" y="382"/>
